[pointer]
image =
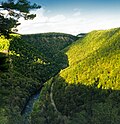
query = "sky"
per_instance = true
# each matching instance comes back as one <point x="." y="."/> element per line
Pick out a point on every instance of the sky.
<point x="72" y="16"/>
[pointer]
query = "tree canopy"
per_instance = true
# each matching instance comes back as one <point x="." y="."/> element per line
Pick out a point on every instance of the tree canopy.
<point x="11" y="11"/>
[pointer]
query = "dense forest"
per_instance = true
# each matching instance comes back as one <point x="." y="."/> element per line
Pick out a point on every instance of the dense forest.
<point x="88" y="90"/>
<point x="78" y="78"/>
<point x="26" y="63"/>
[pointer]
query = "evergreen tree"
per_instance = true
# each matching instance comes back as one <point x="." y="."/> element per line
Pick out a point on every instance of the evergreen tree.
<point x="11" y="11"/>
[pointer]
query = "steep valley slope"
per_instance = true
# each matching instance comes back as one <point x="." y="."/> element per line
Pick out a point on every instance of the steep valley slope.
<point x="26" y="63"/>
<point x="88" y="90"/>
<point x="80" y="78"/>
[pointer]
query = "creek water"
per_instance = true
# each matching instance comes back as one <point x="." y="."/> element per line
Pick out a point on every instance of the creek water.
<point x="29" y="106"/>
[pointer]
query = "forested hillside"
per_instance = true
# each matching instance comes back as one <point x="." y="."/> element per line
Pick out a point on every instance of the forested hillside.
<point x="78" y="78"/>
<point x="26" y="63"/>
<point x="88" y="90"/>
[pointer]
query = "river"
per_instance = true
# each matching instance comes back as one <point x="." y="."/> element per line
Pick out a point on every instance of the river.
<point x="29" y="107"/>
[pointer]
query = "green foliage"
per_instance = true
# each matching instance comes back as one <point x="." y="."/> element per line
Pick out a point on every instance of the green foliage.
<point x="20" y="5"/>
<point x="29" y="69"/>
<point x="4" y="44"/>
<point x="6" y="25"/>
<point x="50" y="43"/>
<point x="4" y="62"/>
<point x="3" y="117"/>
<point x="95" y="58"/>
<point x="32" y="55"/>
<point x="88" y="90"/>
<point x="15" y="10"/>
<point x="44" y="111"/>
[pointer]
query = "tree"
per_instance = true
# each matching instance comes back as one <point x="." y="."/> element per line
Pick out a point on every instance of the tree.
<point x="11" y="11"/>
<point x="4" y="63"/>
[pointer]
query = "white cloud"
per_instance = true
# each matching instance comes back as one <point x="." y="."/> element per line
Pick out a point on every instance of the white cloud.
<point x="57" y="18"/>
<point x="77" y="12"/>
<point x="73" y="24"/>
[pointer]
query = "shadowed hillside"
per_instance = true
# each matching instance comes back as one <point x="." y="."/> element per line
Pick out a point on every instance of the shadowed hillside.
<point x="79" y="79"/>
<point x="76" y="104"/>
<point x="29" y="67"/>
<point x="88" y="90"/>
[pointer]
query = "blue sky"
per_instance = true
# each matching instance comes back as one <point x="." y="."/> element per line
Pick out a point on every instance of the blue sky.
<point x="86" y="5"/>
<point x="72" y="16"/>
